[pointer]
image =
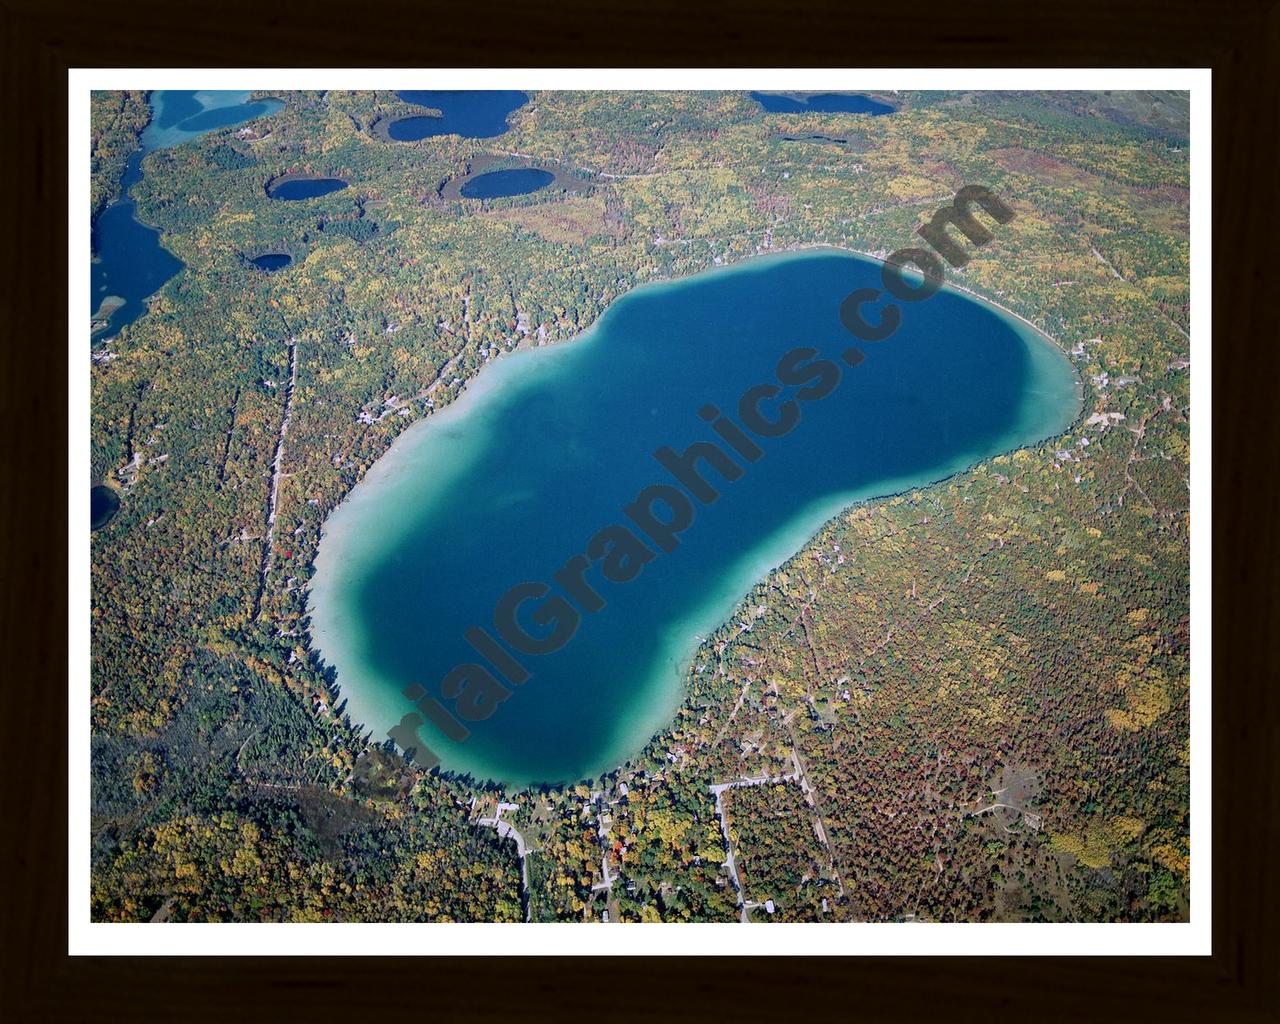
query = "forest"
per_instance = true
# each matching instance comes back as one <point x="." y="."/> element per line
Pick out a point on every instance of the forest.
<point x="116" y="120"/>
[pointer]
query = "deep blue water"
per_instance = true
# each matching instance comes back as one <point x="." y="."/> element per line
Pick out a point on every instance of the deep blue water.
<point x="272" y="261"/>
<point x="516" y="182"/>
<point x="825" y="103"/>
<point x="131" y="263"/>
<point x="129" y="260"/>
<point x="411" y="129"/>
<point x="306" y="188"/>
<point x="104" y="503"/>
<point x="473" y="114"/>
<point x="551" y="444"/>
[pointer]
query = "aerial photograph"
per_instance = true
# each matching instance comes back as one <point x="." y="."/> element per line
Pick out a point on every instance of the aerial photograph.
<point x="618" y="506"/>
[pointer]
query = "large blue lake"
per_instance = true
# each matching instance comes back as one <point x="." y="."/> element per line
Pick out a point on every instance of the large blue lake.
<point x="549" y="445"/>
<point x="129" y="262"/>
<point x="473" y="114"/>
<point x="822" y="103"/>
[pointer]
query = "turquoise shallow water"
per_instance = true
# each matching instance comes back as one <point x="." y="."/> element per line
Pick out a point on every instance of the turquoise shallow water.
<point x="180" y="115"/>
<point x="548" y="446"/>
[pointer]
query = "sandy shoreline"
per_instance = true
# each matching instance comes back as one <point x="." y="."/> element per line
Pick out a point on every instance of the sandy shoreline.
<point x="809" y="246"/>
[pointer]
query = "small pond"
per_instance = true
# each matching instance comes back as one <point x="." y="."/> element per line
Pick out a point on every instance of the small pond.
<point x="104" y="503"/>
<point x="516" y="182"/>
<point x="272" y="261"/>
<point x="293" y="189"/>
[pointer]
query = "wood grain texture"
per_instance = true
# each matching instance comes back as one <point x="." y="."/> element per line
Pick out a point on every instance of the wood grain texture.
<point x="1240" y="40"/>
